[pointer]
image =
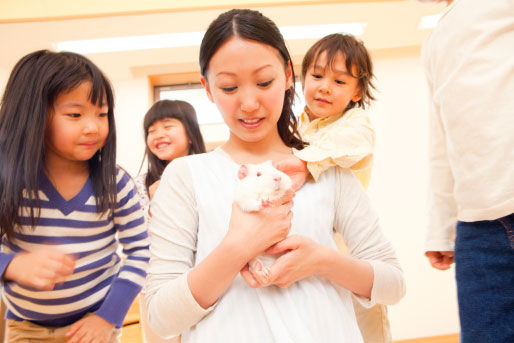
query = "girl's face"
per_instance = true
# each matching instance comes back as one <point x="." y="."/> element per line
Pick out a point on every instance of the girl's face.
<point x="247" y="81"/>
<point x="167" y="139"/>
<point x="328" y="89"/>
<point x="77" y="129"/>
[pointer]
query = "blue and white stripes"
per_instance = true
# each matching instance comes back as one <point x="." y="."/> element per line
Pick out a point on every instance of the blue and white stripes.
<point x="101" y="282"/>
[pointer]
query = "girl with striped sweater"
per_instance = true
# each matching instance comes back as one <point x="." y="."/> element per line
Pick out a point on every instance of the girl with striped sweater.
<point x="65" y="205"/>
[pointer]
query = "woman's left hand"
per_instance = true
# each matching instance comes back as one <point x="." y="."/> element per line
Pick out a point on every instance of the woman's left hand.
<point x="90" y="329"/>
<point x="301" y="258"/>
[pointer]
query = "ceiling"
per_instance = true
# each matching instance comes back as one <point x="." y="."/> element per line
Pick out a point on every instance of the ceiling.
<point x="391" y="26"/>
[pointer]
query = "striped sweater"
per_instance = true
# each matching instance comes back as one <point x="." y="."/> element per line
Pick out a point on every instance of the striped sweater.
<point x="102" y="282"/>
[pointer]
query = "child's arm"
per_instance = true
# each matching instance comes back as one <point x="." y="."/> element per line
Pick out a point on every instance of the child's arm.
<point x="40" y="269"/>
<point x="129" y="223"/>
<point x="348" y="143"/>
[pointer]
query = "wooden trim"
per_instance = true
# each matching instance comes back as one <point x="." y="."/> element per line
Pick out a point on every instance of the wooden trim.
<point x="187" y="7"/>
<point x="453" y="338"/>
<point x="174" y="79"/>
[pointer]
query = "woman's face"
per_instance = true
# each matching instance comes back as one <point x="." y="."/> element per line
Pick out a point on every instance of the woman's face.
<point x="247" y="81"/>
<point x="167" y="139"/>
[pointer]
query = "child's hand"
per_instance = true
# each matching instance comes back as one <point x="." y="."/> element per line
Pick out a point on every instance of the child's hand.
<point x="153" y="188"/>
<point x="91" y="329"/>
<point x="295" y="168"/>
<point x="441" y="260"/>
<point x="40" y="269"/>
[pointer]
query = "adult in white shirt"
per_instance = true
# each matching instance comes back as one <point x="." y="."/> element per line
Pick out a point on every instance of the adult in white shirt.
<point x="201" y="241"/>
<point x="470" y="71"/>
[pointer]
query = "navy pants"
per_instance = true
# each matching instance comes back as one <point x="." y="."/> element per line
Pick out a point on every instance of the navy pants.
<point x="484" y="269"/>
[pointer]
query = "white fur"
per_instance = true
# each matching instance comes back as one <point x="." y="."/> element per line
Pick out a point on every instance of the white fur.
<point x="262" y="183"/>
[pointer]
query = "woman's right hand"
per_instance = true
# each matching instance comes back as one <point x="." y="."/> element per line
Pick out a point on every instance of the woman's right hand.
<point x="40" y="269"/>
<point x="257" y="231"/>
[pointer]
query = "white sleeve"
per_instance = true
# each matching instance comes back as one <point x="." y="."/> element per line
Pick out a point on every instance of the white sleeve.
<point x="442" y="208"/>
<point x="359" y="226"/>
<point x="172" y="308"/>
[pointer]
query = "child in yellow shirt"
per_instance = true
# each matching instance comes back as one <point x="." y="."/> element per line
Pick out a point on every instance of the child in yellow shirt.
<point x="337" y="81"/>
<point x="337" y="77"/>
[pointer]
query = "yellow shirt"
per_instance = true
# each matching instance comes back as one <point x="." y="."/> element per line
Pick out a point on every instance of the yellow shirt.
<point x="345" y="140"/>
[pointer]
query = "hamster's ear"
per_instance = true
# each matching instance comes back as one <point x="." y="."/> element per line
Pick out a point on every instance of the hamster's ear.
<point x="242" y="172"/>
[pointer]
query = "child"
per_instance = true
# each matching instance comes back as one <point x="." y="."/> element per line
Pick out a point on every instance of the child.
<point x="171" y="130"/>
<point x="337" y="80"/>
<point x="337" y="77"/>
<point x="201" y="240"/>
<point x="65" y="205"/>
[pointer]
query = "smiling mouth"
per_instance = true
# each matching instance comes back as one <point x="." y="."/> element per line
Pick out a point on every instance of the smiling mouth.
<point x="162" y="145"/>
<point x="250" y="123"/>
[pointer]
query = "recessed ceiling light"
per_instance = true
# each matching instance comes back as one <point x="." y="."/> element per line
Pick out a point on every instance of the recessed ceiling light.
<point x="428" y="21"/>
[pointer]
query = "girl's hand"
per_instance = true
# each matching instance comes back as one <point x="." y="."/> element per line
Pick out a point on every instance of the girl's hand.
<point x="301" y="258"/>
<point x="40" y="269"/>
<point x="91" y="329"/>
<point x="153" y="188"/>
<point x="257" y="231"/>
<point x="295" y="168"/>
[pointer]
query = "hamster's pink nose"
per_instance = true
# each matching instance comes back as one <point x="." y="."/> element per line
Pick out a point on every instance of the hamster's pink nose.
<point x="277" y="179"/>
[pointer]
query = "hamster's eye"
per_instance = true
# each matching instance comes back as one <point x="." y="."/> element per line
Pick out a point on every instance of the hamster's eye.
<point x="259" y="174"/>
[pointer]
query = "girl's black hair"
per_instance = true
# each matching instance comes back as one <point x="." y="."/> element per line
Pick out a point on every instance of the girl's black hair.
<point x="356" y="57"/>
<point x="34" y="84"/>
<point x="252" y="25"/>
<point x="179" y="110"/>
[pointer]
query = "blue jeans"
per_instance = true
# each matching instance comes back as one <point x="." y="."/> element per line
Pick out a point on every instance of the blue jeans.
<point x="484" y="268"/>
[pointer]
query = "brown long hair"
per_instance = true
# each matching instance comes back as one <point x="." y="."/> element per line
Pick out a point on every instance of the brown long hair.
<point x="252" y="25"/>
<point x="35" y="82"/>
<point x="356" y="56"/>
<point x="186" y="114"/>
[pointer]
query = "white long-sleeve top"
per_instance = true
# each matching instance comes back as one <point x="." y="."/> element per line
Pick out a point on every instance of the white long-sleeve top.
<point x="470" y="70"/>
<point x="190" y="216"/>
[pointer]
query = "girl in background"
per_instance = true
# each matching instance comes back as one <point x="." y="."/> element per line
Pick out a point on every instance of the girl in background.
<point x="201" y="240"/>
<point x="171" y="130"/>
<point x="65" y="205"/>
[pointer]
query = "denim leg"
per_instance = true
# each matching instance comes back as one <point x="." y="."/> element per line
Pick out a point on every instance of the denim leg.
<point x="484" y="266"/>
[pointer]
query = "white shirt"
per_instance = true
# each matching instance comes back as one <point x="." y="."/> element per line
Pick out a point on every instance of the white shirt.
<point x="470" y="70"/>
<point x="191" y="212"/>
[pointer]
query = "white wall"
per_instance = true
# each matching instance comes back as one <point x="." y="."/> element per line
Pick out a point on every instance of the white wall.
<point x="398" y="191"/>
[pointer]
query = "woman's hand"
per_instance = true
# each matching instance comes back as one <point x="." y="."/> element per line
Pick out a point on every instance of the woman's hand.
<point x="300" y="259"/>
<point x="152" y="188"/>
<point x="40" y="269"/>
<point x="90" y="329"/>
<point x="257" y="231"/>
<point x="295" y="168"/>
